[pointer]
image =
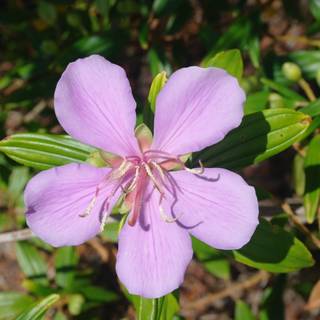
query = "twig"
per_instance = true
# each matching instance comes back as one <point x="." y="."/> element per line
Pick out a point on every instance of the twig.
<point x="101" y="250"/>
<point x="288" y="210"/>
<point x="307" y="89"/>
<point x="23" y="234"/>
<point x="209" y="299"/>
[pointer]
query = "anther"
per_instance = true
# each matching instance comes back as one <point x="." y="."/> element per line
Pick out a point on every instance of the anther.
<point x="89" y="207"/>
<point x="196" y="170"/>
<point x="166" y="218"/>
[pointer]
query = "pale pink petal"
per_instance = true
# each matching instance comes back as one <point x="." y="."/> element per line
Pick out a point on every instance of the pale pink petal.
<point x="153" y="255"/>
<point x="218" y="207"/>
<point x="196" y="108"/>
<point x="94" y="104"/>
<point x="56" y="197"/>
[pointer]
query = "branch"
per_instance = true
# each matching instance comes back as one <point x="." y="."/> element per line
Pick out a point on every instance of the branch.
<point x="23" y="234"/>
<point x="235" y="288"/>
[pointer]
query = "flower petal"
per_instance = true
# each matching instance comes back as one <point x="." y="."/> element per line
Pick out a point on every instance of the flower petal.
<point x="94" y="104"/>
<point x="153" y="255"/>
<point x="219" y="208"/>
<point x="196" y="108"/>
<point x="56" y="197"/>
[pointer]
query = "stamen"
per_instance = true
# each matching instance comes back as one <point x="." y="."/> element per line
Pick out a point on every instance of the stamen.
<point x="196" y="170"/>
<point x="153" y="178"/>
<point x="89" y="207"/>
<point x="104" y="215"/>
<point x="166" y="218"/>
<point x="159" y="169"/>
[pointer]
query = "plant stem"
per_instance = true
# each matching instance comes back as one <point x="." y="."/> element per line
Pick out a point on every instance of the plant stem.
<point x="23" y="234"/>
<point x="307" y="89"/>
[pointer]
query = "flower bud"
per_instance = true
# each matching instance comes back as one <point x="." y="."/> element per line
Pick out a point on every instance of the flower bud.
<point x="276" y="101"/>
<point x="291" y="71"/>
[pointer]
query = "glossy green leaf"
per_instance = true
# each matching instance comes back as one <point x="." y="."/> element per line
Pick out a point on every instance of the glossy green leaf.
<point x="39" y="310"/>
<point x="260" y="136"/>
<point x="311" y="198"/>
<point x="31" y="262"/>
<point x="157" y="84"/>
<point x="243" y="311"/>
<point x="43" y="151"/>
<point x="229" y="60"/>
<point x="273" y="249"/>
<point x="163" y="308"/>
<point x="66" y="260"/>
<point x="12" y="304"/>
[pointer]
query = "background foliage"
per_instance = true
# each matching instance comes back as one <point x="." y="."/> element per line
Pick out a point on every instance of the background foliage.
<point x="276" y="148"/>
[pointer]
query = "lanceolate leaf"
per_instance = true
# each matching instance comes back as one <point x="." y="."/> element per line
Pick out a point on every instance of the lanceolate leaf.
<point x="273" y="249"/>
<point x="38" y="311"/>
<point x="312" y="183"/>
<point x="31" y="262"/>
<point x="12" y="304"/>
<point x="43" y="151"/>
<point x="260" y="136"/>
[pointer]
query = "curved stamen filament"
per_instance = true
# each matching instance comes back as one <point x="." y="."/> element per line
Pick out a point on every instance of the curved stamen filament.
<point x="196" y="170"/>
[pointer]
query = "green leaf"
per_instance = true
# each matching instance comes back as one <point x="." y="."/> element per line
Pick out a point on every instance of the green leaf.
<point x="308" y="60"/>
<point x="163" y="308"/>
<point x="157" y="84"/>
<point x="256" y="102"/>
<point x="47" y="12"/>
<point x="31" y="262"/>
<point x="229" y="60"/>
<point x="273" y="249"/>
<point x="282" y="89"/>
<point x="66" y="260"/>
<point x="212" y="259"/>
<point x="39" y="310"/>
<point x="314" y="6"/>
<point x="17" y="180"/>
<point x="43" y="151"/>
<point x="237" y="35"/>
<point x="12" y="304"/>
<point x="312" y="109"/>
<point x="94" y="293"/>
<point x="243" y="311"/>
<point x="311" y="198"/>
<point x="260" y="136"/>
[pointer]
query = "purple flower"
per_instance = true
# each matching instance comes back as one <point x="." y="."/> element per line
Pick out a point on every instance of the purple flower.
<point x="196" y="108"/>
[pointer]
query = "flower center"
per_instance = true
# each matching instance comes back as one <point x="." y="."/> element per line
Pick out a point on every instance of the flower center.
<point x="133" y="174"/>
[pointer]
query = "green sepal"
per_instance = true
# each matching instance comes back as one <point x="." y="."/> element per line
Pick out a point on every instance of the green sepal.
<point x="157" y="84"/>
